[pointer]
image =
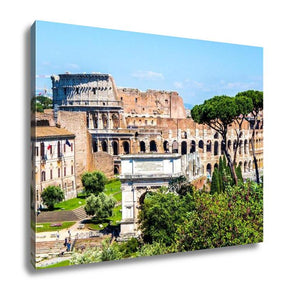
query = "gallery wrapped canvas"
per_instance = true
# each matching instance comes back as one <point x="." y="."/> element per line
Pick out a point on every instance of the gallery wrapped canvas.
<point x="142" y="145"/>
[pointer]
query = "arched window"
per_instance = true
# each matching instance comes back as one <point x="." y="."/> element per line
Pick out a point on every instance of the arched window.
<point x="152" y="146"/>
<point x="175" y="147"/>
<point x="115" y="148"/>
<point x="240" y="147"/>
<point x="94" y="146"/>
<point x="193" y="147"/>
<point x="184" y="148"/>
<point x="115" y="121"/>
<point x="126" y="147"/>
<point x="216" y="146"/>
<point x="208" y="169"/>
<point x="245" y="166"/>
<point x="216" y="135"/>
<point x="43" y="176"/>
<point x="166" y="146"/>
<point x="208" y="146"/>
<point x="142" y="146"/>
<point x="104" y="121"/>
<point x="116" y="170"/>
<point x="200" y="145"/>
<point x="104" y="146"/>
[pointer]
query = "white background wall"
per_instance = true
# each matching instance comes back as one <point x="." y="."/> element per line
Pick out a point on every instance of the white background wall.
<point x="250" y="272"/>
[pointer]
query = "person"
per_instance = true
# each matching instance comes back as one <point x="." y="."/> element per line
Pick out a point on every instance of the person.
<point x="57" y="235"/>
<point x="65" y="242"/>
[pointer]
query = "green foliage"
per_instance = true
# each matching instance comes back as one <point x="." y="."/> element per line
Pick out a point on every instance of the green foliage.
<point x="100" y="205"/>
<point x="256" y="97"/>
<point x="94" y="182"/>
<point x="231" y="218"/>
<point x="39" y="103"/>
<point x="159" y="216"/>
<point x="51" y="195"/>
<point x="215" y="182"/>
<point x="239" y="173"/>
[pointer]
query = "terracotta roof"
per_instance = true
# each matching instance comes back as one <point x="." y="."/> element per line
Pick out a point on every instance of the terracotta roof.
<point x="50" y="131"/>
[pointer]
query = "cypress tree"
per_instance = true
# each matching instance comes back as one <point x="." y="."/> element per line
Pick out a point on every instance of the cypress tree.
<point x="215" y="187"/>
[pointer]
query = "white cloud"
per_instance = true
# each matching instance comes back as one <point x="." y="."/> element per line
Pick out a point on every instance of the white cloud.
<point x="178" y="85"/>
<point x="148" y="75"/>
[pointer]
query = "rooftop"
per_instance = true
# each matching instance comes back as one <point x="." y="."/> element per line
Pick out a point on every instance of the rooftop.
<point x="50" y="131"/>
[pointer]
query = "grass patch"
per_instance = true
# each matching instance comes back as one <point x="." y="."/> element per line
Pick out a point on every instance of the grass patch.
<point x="116" y="215"/>
<point x="48" y="226"/>
<point x="70" y="204"/>
<point x="112" y="187"/>
<point x="63" y="263"/>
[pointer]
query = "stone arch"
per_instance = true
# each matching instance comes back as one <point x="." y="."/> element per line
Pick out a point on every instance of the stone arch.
<point x="94" y="146"/>
<point x="115" y="121"/>
<point x="175" y="147"/>
<point x="245" y="166"/>
<point x="208" y="169"/>
<point x="142" y="146"/>
<point x="166" y="146"/>
<point x="200" y="146"/>
<point x="115" y="148"/>
<point x="216" y="147"/>
<point x="241" y="165"/>
<point x="208" y="146"/>
<point x="116" y="170"/>
<point x="104" y="121"/>
<point x="126" y="147"/>
<point x="193" y="146"/>
<point x="152" y="146"/>
<point x="184" y="147"/>
<point x="104" y="146"/>
<point x="250" y="166"/>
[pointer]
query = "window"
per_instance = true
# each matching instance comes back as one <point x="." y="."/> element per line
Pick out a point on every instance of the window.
<point x="136" y="100"/>
<point x="59" y="172"/>
<point x="51" y="175"/>
<point x="64" y="148"/>
<point x="72" y="147"/>
<point x="43" y="178"/>
<point x="36" y="151"/>
<point x="64" y="171"/>
<point x="72" y="170"/>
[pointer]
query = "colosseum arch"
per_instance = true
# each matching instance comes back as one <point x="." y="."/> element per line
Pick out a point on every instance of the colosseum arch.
<point x="142" y="146"/>
<point x="126" y="147"/>
<point x="104" y="121"/>
<point x="200" y="146"/>
<point x="104" y="146"/>
<point x="208" y="146"/>
<point x="175" y="147"/>
<point x="184" y="148"/>
<point x="152" y="146"/>
<point x="94" y="146"/>
<point x="166" y="146"/>
<point x="115" y="148"/>
<point x="216" y="148"/>
<point x="193" y="146"/>
<point x="115" y="121"/>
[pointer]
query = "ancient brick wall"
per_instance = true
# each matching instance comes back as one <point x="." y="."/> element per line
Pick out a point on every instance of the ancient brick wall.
<point x="104" y="162"/>
<point x="75" y="122"/>
<point x="157" y="103"/>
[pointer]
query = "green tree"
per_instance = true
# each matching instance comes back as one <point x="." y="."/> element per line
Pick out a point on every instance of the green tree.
<point x="257" y="101"/>
<point x="219" y="113"/>
<point x="161" y="212"/>
<point x="100" y="205"/>
<point x="215" y="182"/>
<point x="94" y="182"/>
<point x="239" y="173"/>
<point x="51" y="195"/>
<point x="234" y="217"/>
<point x="39" y="103"/>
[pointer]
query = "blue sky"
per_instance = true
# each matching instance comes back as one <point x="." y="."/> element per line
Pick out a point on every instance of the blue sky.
<point x="197" y="70"/>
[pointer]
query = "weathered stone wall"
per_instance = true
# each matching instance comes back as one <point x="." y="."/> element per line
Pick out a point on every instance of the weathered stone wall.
<point x="47" y="115"/>
<point x="75" y="122"/>
<point x="153" y="103"/>
<point x="104" y="162"/>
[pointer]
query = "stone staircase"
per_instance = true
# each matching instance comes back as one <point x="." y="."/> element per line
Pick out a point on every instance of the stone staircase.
<point x="62" y="216"/>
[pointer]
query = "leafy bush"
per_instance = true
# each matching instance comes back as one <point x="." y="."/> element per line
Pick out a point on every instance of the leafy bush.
<point x="100" y="205"/>
<point x="94" y="182"/>
<point x="51" y="195"/>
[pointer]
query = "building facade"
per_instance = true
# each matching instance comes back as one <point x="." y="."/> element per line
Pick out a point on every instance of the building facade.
<point x="53" y="161"/>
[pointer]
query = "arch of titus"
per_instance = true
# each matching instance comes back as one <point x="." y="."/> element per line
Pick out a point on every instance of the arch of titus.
<point x="141" y="173"/>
